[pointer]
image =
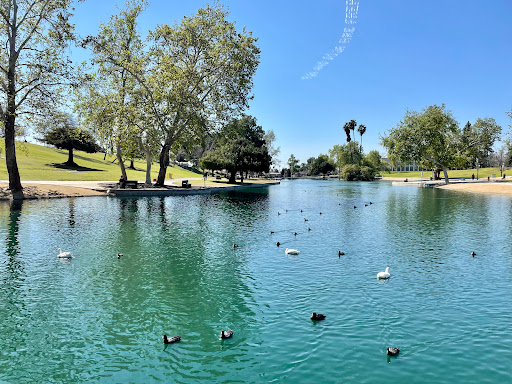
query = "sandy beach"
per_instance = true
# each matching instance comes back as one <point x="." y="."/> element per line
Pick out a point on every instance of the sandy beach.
<point x="497" y="186"/>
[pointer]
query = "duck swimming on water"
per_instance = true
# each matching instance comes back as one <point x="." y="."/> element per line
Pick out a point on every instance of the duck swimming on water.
<point x="63" y="255"/>
<point x="392" y="351"/>
<point x="384" y="275"/>
<point x="226" y="334"/>
<point x="317" y="316"/>
<point x="171" y="340"/>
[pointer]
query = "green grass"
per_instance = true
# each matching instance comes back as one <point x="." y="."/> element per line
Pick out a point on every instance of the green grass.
<point x="37" y="162"/>
<point x="482" y="173"/>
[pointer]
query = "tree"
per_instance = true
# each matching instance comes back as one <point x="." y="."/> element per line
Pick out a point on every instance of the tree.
<point x="478" y="139"/>
<point x="240" y="147"/>
<point x="196" y="74"/>
<point x="362" y="130"/>
<point x="110" y="99"/>
<point x="500" y="159"/>
<point x="430" y="137"/>
<point x="270" y="139"/>
<point x="353" y="172"/>
<point x="66" y="135"/>
<point x="350" y="126"/>
<point x="434" y="139"/>
<point x="322" y="165"/>
<point x="292" y="163"/>
<point x="374" y="160"/>
<point x="33" y="67"/>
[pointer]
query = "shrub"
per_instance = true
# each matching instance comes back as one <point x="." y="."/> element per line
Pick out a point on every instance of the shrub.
<point x="353" y="172"/>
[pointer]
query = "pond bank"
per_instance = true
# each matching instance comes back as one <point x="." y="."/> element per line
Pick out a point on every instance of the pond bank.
<point x="494" y="187"/>
<point x="61" y="189"/>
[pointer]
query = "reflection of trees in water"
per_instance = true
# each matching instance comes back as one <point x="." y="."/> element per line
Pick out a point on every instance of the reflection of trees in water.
<point x="14" y="265"/>
<point x="176" y="277"/>
<point x="71" y="216"/>
<point x="12" y="301"/>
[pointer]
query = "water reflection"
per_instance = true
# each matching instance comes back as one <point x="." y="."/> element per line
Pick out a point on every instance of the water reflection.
<point x="181" y="276"/>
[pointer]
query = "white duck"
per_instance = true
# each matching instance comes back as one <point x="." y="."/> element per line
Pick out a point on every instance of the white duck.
<point x="63" y="255"/>
<point x="384" y="275"/>
<point x="291" y="251"/>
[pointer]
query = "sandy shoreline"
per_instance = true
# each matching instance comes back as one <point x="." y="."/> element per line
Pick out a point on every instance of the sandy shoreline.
<point x="493" y="187"/>
<point x="45" y="191"/>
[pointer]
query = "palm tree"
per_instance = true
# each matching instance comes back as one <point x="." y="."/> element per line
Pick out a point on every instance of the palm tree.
<point x="351" y="125"/>
<point x="361" y="129"/>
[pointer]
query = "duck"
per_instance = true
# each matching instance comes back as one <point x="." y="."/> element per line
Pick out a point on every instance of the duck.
<point x="278" y="243"/>
<point x="271" y="232"/>
<point x="320" y="212"/>
<point x="355" y="207"/>
<point x="392" y="351"/>
<point x="171" y="340"/>
<point x="226" y="334"/>
<point x="384" y="275"/>
<point x="366" y="205"/>
<point x="63" y="255"/>
<point x="235" y="245"/>
<point x="473" y="253"/>
<point x="341" y="253"/>
<point x="119" y="255"/>
<point x="291" y="251"/>
<point x="371" y="203"/>
<point x="294" y="233"/>
<point x="306" y="219"/>
<point x="317" y="316"/>
<point x="301" y="211"/>
<point x="309" y="229"/>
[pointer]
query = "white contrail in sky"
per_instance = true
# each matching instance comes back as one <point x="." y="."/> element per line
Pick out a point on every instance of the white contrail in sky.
<point x="352" y="7"/>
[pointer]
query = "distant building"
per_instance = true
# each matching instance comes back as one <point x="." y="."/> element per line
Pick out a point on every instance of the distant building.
<point x="411" y="167"/>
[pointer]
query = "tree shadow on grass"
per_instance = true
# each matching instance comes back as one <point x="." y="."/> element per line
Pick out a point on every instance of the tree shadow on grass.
<point x="74" y="167"/>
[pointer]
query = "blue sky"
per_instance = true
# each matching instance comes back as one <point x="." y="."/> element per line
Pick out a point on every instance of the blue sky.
<point x="401" y="54"/>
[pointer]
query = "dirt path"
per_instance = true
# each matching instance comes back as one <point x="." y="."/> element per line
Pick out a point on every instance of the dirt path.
<point x="43" y="191"/>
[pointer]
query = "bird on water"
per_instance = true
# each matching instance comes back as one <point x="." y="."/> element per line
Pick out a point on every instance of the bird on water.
<point x="392" y="351"/>
<point x="226" y="334"/>
<point x="317" y="316"/>
<point x="171" y="340"/>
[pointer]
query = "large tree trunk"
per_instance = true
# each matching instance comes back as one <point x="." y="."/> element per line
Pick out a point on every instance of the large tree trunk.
<point x="10" y="142"/>
<point x="148" y="168"/>
<point x="445" y="171"/>
<point x="232" y="177"/>
<point x="70" y="157"/>
<point x="119" y="157"/>
<point x="164" y="163"/>
<point x="132" y="166"/>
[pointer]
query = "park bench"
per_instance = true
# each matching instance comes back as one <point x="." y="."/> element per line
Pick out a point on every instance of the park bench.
<point x="185" y="184"/>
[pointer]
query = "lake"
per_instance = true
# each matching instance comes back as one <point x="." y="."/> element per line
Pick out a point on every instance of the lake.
<point x="97" y="318"/>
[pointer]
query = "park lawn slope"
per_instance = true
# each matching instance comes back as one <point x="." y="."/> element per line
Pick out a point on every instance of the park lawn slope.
<point x="37" y="162"/>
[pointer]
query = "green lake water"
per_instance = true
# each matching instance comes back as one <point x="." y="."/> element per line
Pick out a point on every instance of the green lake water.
<point x="97" y="318"/>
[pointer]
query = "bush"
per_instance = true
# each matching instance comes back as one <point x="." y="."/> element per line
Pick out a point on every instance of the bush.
<point x="353" y="172"/>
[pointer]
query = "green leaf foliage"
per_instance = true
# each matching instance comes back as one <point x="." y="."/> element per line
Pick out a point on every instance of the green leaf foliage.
<point x="322" y="165"/>
<point x="353" y="172"/>
<point x="239" y="147"/>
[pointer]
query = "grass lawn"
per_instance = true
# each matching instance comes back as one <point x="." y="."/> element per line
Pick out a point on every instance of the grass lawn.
<point x="37" y="162"/>
<point x="466" y="173"/>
